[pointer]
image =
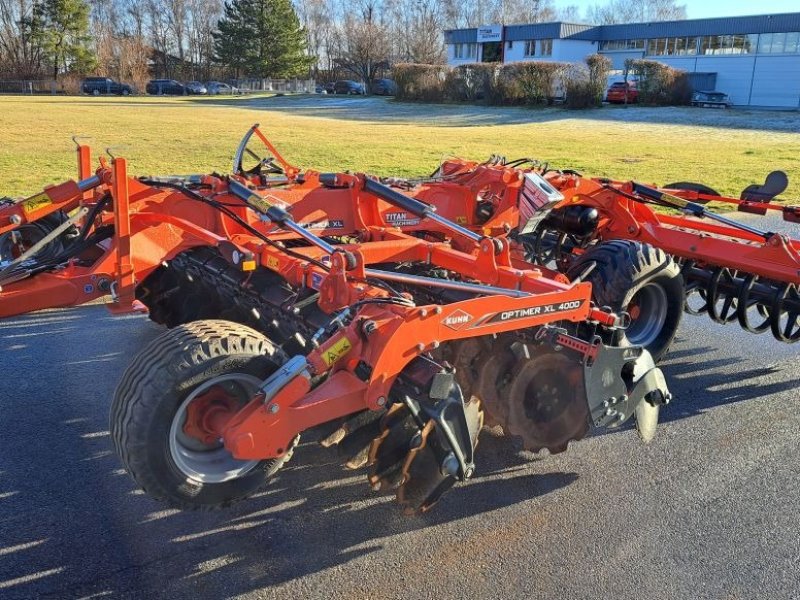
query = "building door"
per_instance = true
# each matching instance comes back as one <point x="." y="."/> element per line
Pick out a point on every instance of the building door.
<point x="492" y="52"/>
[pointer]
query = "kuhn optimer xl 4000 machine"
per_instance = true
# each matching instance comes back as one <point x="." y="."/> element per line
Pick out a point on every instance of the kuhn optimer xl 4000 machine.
<point x="391" y="317"/>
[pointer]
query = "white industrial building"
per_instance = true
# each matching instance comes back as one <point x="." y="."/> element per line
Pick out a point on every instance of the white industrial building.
<point x="755" y="59"/>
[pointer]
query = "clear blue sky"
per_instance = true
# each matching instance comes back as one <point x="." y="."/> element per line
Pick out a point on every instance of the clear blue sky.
<point x="699" y="9"/>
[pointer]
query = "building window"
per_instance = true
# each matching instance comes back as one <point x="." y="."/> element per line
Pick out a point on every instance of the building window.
<point x="462" y="51"/>
<point x="779" y="43"/>
<point x="611" y="45"/>
<point x="728" y="44"/>
<point x="657" y="47"/>
<point x="792" y="42"/>
<point x="545" y="47"/>
<point x="530" y="47"/>
<point x="686" y="46"/>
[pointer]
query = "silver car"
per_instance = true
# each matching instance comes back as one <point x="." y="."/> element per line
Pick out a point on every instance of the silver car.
<point x="216" y="88"/>
<point x="195" y="87"/>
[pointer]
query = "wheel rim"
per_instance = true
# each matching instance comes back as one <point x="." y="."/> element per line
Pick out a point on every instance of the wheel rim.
<point x="210" y="463"/>
<point x="648" y="310"/>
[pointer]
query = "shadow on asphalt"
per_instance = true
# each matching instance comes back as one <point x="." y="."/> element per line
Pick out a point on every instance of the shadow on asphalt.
<point x="74" y="524"/>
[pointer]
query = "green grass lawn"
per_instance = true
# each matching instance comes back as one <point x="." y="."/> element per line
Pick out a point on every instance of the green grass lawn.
<point x="182" y="135"/>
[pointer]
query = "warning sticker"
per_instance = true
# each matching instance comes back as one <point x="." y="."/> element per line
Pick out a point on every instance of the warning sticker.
<point x="336" y="351"/>
<point x="36" y="202"/>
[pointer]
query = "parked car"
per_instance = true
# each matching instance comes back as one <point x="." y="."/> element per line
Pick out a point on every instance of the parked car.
<point x="320" y="89"/>
<point x="165" y="86"/>
<point x="329" y="87"/>
<point x="217" y="88"/>
<point x="196" y="88"/>
<point x="622" y="92"/>
<point x="711" y="99"/>
<point x="105" y="85"/>
<point x="347" y="86"/>
<point x="384" y="87"/>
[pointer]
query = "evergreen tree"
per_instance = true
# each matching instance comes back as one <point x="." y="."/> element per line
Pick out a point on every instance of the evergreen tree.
<point x="262" y="38"/>
<point x="63" y="34"/>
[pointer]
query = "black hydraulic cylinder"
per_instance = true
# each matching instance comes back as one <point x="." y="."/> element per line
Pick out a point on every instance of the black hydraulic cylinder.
<point x="416" y="208"/>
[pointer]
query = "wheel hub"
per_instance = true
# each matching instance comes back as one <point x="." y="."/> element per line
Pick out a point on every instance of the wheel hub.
<point x="195" y="442"/>
<point x="648" y="311"/>
<point x="208" y="413"/>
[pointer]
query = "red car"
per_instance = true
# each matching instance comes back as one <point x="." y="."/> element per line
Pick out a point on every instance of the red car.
<point x="617" y="93"/>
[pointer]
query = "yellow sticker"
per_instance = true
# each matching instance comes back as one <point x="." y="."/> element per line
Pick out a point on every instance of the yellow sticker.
<point x="461" y="220"/>
<point x="273" y="263"/>
<point x="336" y="351"/>
<point x="259" y="203"/>
<point x="36" y="202"/>
<point x="248" y="265"/>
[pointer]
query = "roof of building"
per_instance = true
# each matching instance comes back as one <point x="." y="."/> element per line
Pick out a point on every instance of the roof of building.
<point x="690" y="27"/>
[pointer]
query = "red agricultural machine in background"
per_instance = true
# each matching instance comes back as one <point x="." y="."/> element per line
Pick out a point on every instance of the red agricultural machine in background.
<point x="731" y="270"/>
<point x="389" y="316"/>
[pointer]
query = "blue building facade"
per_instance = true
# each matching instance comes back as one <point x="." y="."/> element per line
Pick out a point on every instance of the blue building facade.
<point x="753" y="59"/>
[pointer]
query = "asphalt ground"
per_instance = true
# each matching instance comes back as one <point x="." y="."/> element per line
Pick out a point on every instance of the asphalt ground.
<point x="710" y="509"/>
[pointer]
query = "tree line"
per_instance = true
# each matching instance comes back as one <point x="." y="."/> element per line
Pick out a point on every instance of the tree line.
<point x="133" y="40"/>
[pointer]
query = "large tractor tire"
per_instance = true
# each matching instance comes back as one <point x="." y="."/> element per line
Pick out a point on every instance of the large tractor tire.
<point x="165" y="399"/>
<point x="641" y="280"/>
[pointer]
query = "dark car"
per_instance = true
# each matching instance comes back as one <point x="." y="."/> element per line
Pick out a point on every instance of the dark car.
<point x="622" y="92"/>
<point x="105" y="85"/>
<point x="711" y="99"/>
<point x="347" y="86"/>
<point x="217" y="88"/>
<point x="165" y="86"/>
<point x="329" y="87"/>
<point x="384" y="87"/>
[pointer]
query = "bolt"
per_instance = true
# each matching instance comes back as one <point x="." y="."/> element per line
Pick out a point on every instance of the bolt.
<point x="369" y="327"/>
<point x="667" y="398"/>
<point x="612" y="400"/>
<point x="610" y="412"/>
<point x="605" y="404"/>
<point x="623" y="398"/>
<point x="423" y="312"/>
<point x="273" y="408"/>
<point x="438" y="309"/>
<point x="381" y="401"/>
<point x="631" y="229"/>
<point x="450" y="465"/>
<point x="621" y="417"/>
<point x="468" y="472"/>
<point x="435" y="344"/>
<point x="15" y="219"/>
<point x="420" y="346"/>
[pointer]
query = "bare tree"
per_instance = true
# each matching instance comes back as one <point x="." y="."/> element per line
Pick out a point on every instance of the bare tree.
<point x="21" y="54"/>
<point x="636" y="11"/>
<point x="365" y="45"/>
